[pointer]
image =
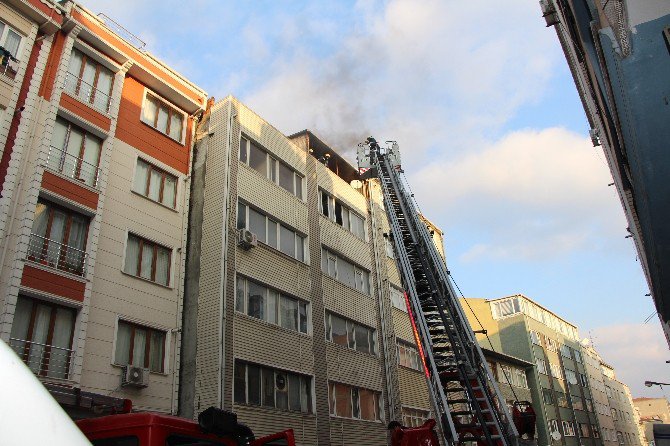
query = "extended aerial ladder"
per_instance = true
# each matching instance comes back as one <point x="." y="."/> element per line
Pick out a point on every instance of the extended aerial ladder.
<point x="465" y="397"/>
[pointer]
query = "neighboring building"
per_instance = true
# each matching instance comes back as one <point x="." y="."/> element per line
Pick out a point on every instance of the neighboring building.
<point x="618" y="54"/>
<point x="621" y="407"/>
<point x="560" y="390"/>
<point x="601" y="403"/>
<point x="651" y="411"/>
<point x="96" y="137"/>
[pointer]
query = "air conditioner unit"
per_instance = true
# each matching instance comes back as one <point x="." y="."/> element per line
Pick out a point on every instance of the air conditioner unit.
<point x="132" y="376"/>
<point x="246" y="239"/>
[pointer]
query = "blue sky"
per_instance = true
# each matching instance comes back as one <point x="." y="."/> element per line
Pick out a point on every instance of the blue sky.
<point x="494" y="139"/>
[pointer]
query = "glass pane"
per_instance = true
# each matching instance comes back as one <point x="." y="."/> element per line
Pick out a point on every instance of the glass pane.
<point x="86" y="84"/>
<point x="286" y="178"/>
<point x="132" y="255"/>
<point x="162" y="266"/>
<point x="345" y="273"/>
<point x="272" y="306"/>
<point x="268" y="388"/>
<point x="257" y="224"/>
<point x="139" y="346"/>
<point x="324" y="203"/>
<point x="22" y="312"/>
<point x="176" y="120"/>
<point x="338" y="213"/>
<point x="150" y="111"/>
<point x="362" y="339"/>
<point x="162" y="122"/>
<point x="345" y="219"/>
<point x="122" y="355"/>
<point x="239" y="295"/>
<point x="272" y="233"/>
<point x="305" y="395"/>
<point x="155" y="185"/>
<point x="258" y="159"/>
<point x="103" y="88"/>
<point x="287" y="241"/>
<point x="339" y="330"/>
<point x="240" y="382"/>
<point x="294" y="392"/>
<point x="244" y="144"/>
<point x="241" y="216"/>
<point x="157" y="350"/>
<point x="73" y="152"/>
<point x="303" y="317"/>
<point x="273" y="170"/>
<point x="12" y="43"/>
<point x="367" y="398"/>
<point x="90" y="158"/>
<point x="58" y="141"/>
<point x="169" y="190"/>
<point x="254" y="375"/>
<point x="56" y="236"/>
<point x="141" y="177"/>
<point x="289" y="313"/>
<point x="76" y="245"/>
<point x="281" y="385"/>
<point x="256" y="300"/>
<point x="298" y="186"/>
<point x="342" y="400"/>
<point x="147" y="260"/>
<point x="300" y="248"/>
<point x="351" y="328"/>
<point x="332" y="266"/>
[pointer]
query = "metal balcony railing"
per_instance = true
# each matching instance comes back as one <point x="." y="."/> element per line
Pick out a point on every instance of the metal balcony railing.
<point x="9" y="64"/>
<point x="87" y="93"/>
<point x="72" y="166"/>
<point x="57" y="255"/>
<point x="42" y="359"/>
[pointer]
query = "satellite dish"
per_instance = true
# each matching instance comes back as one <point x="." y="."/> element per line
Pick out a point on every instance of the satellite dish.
<point x="555" y="436"/>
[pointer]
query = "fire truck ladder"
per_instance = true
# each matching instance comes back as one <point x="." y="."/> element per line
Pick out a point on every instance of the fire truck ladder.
<point x="465" y="396"/>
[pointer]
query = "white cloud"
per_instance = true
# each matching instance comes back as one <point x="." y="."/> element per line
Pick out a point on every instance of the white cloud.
<point x="637" y="352"/>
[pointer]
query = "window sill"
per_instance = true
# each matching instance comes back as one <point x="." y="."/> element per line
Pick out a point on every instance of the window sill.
<point x="87" y="104"/>
<point x="57" y="271"/>
<point x="264" y="177"/>
<point x="358" y="352"/>
<point x="178" y="141"/>
<point x="119" y="366"/>
<point x="154" y="201"/>
<point x="274" y="410"/>
<point x="71" y="179"/>
<point x="337" y="417"/>
<point x="147" y="280"/>
<point x="273" y="326"/>
<point x="342" y="228"/>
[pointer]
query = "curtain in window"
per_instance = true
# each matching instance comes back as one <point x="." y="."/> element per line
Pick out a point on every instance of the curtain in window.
<point x="122" y="355"/>
<point x="139" y="346"/>
<point x="90" y="158"/>
<point x="76" y="245"/>
<point x="141" y="177"/>
<point x="162" y="266"/>
<point x="60" y="350"/>
<point x="57" y="141"/>
<point x="155" y="185"/>
<point x="19" y="334"/>
<point x="289" y="313"/>
<point x="362" y="339"/>
<point x="12" y="42"/>
<point x="55" y="237"/>
<point x="87" y="82"/>
<point x="104" y="87"/>
<point x="36" y="249"/>
<point x="150" y="111"/>
<point x="39" y="338"/>
<point x="161" y="124"/>
<point x="157" y="351"/>
<point x="169" y="191"/>
<point x="147" y="260"/>
<point x="132" y="255"/>
<point x="72" y="152"/>
<point x="175" y="126"/>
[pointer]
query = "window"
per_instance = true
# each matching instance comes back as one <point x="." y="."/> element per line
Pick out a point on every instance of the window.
<point x="619" y="436"/>
<point x="350" y="334"/>
<point x="89" y="81"/>
<point x="589" y="404"/>
<point x="271" y="168"/>
<point x="398" y="299"/>
<point x="263" y="386"/>
<point x="578" y="356"/>
<point x="553" y="426"/>
<point x="594" y="429"/>
<point x="414" y="417"/>
<point x="389" y="247"/>
<point x="354" y="402"/>
<point x="614" y="414"/>
<point x="577" y="403"/>
<point x="548" y="396"/>
<point x="74" y="153"/>
<point x="561" y="399"/>
<point x="10" y="46"/>
<point x="512" y="376"/>
<point x="541" y="365"/>
<point x="408" y="356"/>
<point x="505" y="307"/>
<point x="568" y="428"/>
<point x="271" y="233"/>
<point x="520" y="378"/>
<point x="264" y="303"/>
<point x="42" y="336"/>
<point x="570" y="376"/>
<point x="584" y="430"/>
<point x="148" y="260"/>
<point x="58" y="238"/>
<point x="345" y="272"/>
<point x="551" y="344"/>
<point x="535" y="338"/>
<point x="163" y="117"/>
<point x="565" y="351"/>
<point x="556" y="371"/>
<point x="155" y="184"/>
<point x="140" y="346"/>
<point x="342" y="215"/>
<point x="583" y="380"/>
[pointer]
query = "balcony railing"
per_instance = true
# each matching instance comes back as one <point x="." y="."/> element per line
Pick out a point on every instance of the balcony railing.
<point x="72" y="166"/>
<point x="42" y="359"/>
<point x="87" y="93"/>
<point x="9" y="64"/>
<point x="57" y="255"/>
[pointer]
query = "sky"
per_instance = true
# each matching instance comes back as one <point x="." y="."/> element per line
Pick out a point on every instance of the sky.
<point x="493" y="137"/>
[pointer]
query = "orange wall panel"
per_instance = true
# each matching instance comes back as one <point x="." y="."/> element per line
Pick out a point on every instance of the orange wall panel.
<point x="84" y="111"/>
<point x="39" y="279"/>
<point x="131" y="130"/>
<point x="51" y="12"/>
<point x="49" y="77"/>
<point x="69" y="190"/>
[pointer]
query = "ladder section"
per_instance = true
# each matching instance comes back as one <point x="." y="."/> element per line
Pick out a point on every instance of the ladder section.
<point x="464" y="394"/>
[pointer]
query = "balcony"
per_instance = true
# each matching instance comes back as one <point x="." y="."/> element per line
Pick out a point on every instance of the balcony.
<point x="73" y="167"/>
<point x="44" y="360"/>
<point x="9" y="65"/>
<point x="57" y="255"/>
<point x="87" y="93"/>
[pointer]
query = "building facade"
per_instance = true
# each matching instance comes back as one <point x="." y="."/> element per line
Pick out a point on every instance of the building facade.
<point x="651" y="411"/>
<point x="618" y="55"/>
<point x="621" y="407"/>
<point x="96" y="139"/>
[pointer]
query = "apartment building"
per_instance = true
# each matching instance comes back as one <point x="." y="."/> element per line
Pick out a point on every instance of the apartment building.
<point x="625" y="418"/>
<point x="651" y="411"/>
<point x="601" y="404"/>
<point x="96" y="137"/>
<point x="520" y="327"/>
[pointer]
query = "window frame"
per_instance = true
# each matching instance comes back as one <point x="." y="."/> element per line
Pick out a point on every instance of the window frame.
<point x="164" y="174"/>
<point x="351" y="339"/>
<point x="359" y="271"/>
<point x="272" y="163"/>
<point x="3" y="39"/>
<point x="171" y="109"/>
<point x="355" y="402"/>
<point x="147" y="346"/>
<point x="80" y="155"/>
<point x="568" y="428"/>
<point x="414" y="416"/>
<point x="98" y="68"/>
<point x="411" y="352"/>
<point x="154" y="257"/>
<point x="400" y="300"/>
<point x="332" y="211"/>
